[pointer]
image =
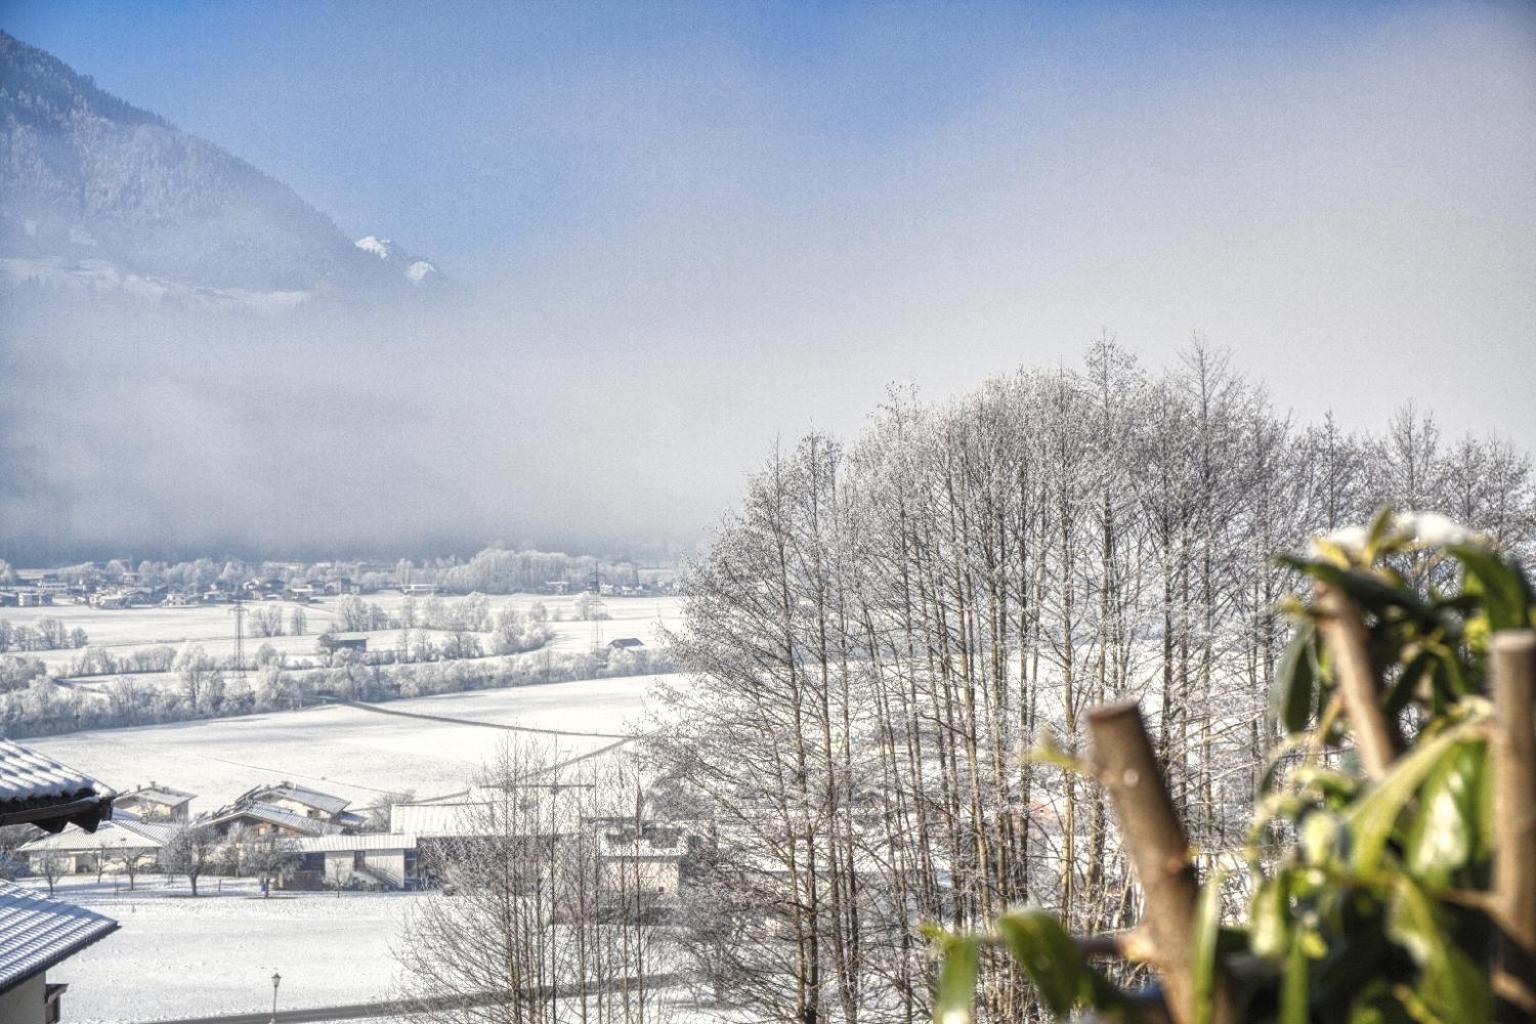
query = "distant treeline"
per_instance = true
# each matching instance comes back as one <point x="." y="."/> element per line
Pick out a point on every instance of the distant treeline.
<point x="490" y="571"/>
<point x="42" y="707"/>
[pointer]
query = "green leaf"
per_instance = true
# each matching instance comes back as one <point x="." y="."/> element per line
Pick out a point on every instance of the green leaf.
<point x="1368" y="590"/>
<point x="955" y="1000"/>
<point x="1295" y="683"/>
<point x="1445" y="836"/>
<point x="1207" y="931"/>
<point x="1505" y="592"/>
<point x="1293" y="984"/>
<point x="1451" y="985"/>
<point x="1270" y="933"/>
<point x="1374" y="815"/>
<point x="1060" y="973"/>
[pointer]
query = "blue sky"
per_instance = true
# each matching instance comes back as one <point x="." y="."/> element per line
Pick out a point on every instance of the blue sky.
<point x="464" y="129"/>
<point x="686" y="230"/>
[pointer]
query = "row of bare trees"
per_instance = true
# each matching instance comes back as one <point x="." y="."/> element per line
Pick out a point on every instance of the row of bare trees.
<point x="549" y="905"/>
<point x="881" y="632"/>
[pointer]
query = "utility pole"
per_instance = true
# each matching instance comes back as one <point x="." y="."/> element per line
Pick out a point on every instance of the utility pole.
<point x="596" y="607"/>
<point x="238" y="611"/>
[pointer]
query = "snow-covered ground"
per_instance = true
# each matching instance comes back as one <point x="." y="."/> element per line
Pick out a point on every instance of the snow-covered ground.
<point x="352" y="752"/>
<point x="213" y="626"/>
<point x="176" y="956"/>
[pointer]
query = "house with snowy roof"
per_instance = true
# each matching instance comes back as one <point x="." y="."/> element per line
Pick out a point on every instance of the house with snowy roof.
<point x="155" y="803"/>
<point x="374" y="860"/>
<point x="38" y="932"/>
<point x="106" y="849"/>
<point x="263" y="818"/>
<point x="311" y="803"/>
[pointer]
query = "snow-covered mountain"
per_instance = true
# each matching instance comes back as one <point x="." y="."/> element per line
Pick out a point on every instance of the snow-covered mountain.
<point x="97" y="195"/>
<point x="416" y="271"/>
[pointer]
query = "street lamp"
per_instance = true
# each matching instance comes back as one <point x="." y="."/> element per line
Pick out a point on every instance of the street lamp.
<point x="276" y="978"/>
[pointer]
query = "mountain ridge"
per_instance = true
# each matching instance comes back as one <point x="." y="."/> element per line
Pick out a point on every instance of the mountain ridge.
<point x="96" y="193"/>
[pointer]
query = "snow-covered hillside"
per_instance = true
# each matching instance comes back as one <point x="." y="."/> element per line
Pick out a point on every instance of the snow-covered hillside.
<point x="97" y="195"/>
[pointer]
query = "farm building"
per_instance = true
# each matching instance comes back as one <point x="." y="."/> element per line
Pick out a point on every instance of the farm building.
<point x="330" y="643"/>
<point x="156" y="803"/>
<point x="375" y="860"/>
<point x="38" y="932"/>
<point x="627" y="643"/>
<point x="105" y="849"/>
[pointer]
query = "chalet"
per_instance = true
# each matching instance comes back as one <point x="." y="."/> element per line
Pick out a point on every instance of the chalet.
<point x="105" y="849"/>
<point x="156" y="803"/>
<point x="272" y="806"/>
<point x="373" y="860"/>
<point x="263" y="819"/>
<point x="38" y="932"/>
<point x="178" y="599"/>
<point x="628" y="643"/>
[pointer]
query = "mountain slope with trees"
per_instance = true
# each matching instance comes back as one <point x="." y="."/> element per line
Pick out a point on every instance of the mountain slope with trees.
<point x="97" y="192"/>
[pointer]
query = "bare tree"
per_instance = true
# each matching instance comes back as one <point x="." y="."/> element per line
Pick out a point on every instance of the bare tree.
<point x="534" y="909"/>
<point x="189" y="850"/>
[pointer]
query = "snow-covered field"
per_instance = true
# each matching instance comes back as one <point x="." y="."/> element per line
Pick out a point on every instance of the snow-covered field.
<point x="179" y="957"/>
<point x="175" y="956"/>
<point x="356" y="753"/>
<point x="213" y="626"/>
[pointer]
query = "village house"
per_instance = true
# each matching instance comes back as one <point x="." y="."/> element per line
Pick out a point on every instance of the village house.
<point x="38" y="932"/>
<point x="79" y="852"/>
<point x="261" y="819"/>
<point x="627" y="643"/>
<point x="372" y="860"/>
<point x="155" y="803"/>
<point x="648" y="856"/>
<point x="290" y="809"/>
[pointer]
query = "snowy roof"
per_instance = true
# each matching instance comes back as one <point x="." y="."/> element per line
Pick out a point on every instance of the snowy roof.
<point x="344" y="844"/>
<point x="117" y="834"/>
<point x="300" y="795"/>
<point x="28" y="775"/>
<point x="38" y="789"/>
<point x="277" y="816"/>
<point x="440" y="819"/>
<point x="158" y="795"/>
<point x="38" y="931"/>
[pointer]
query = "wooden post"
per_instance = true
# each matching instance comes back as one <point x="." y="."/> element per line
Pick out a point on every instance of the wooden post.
<point x="1512" y="655"/>
<point x="1125" y="764"/>
<point x="1343" y="630"/>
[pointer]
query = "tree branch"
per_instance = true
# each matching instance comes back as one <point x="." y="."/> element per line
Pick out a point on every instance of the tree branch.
<point x="1513" y="657"/>
<point x="1344" y="632"/>
<point x="1127" y="767"/>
